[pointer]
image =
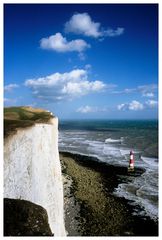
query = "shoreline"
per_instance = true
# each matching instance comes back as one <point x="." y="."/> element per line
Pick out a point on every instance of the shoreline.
<point x="93" y="209"/>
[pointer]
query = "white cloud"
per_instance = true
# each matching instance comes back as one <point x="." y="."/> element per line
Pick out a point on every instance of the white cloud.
<point x="88" y="66"/>
<point x="145" y="90"/>
<point x="86" y="109"/>
<point x="68" y="85"/>
<point x="126" y="90"/>
<point x="10" y="87"/>
<point x="59" y="43"/>
<point x="148" y="94"/>
<point x="89" y="109"/>
<point x="121" y="106"/>
<point x="134" y="106"/>
<point x="152" y="103"/>
<point x="113" y="33"/>
<point x="81" y="23"/>
<point x="129" y="90"/>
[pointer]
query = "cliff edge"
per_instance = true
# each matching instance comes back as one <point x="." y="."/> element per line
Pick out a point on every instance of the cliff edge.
<point x="32" y="169"/>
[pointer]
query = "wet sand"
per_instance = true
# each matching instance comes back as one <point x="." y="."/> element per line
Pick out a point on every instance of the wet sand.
<point x="90" y="207"/>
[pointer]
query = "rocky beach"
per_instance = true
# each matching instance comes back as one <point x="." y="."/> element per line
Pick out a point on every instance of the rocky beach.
<point x="91" y="208"/>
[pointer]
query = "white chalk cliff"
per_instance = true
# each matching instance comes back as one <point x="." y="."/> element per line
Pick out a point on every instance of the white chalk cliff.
<point x="32" y="170"/>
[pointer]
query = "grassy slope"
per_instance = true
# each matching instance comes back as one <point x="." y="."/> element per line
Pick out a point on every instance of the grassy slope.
<point x="21" y="117"/>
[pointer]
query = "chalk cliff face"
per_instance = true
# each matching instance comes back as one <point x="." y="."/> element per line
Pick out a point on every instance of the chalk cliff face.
<point x="32" y="170"/>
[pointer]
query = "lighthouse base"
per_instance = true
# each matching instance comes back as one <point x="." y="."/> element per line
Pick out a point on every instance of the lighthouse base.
<point x="130" y="169"/>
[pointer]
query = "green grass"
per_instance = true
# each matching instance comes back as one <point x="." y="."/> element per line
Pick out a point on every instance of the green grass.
<point x="21" y="117"/>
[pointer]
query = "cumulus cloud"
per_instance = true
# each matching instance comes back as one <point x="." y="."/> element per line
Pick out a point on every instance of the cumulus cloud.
<point x="59" y="43"/>
<point x="90" y="109"/>
<point x="10" y="87"/>
<point x="61" y="86"/>
<point x="122" y="106"/>
<point x="81" y="23"/>
<point x="134" y="106"/>
<point x="152" y="103"/>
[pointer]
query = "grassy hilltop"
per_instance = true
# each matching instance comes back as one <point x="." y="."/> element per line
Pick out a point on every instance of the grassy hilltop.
<point x="21" y="117"/>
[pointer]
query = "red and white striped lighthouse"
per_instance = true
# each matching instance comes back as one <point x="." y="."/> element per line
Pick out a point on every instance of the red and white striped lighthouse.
<point x="131" y="161"/>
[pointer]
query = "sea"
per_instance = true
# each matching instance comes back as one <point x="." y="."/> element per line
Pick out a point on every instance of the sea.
<point x="111" y="141"/>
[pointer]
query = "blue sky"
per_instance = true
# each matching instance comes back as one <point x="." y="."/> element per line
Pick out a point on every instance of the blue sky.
<point x="82" y="61"/>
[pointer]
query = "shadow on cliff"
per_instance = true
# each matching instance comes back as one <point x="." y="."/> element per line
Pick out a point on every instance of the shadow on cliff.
<point x="24" y="218"/>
